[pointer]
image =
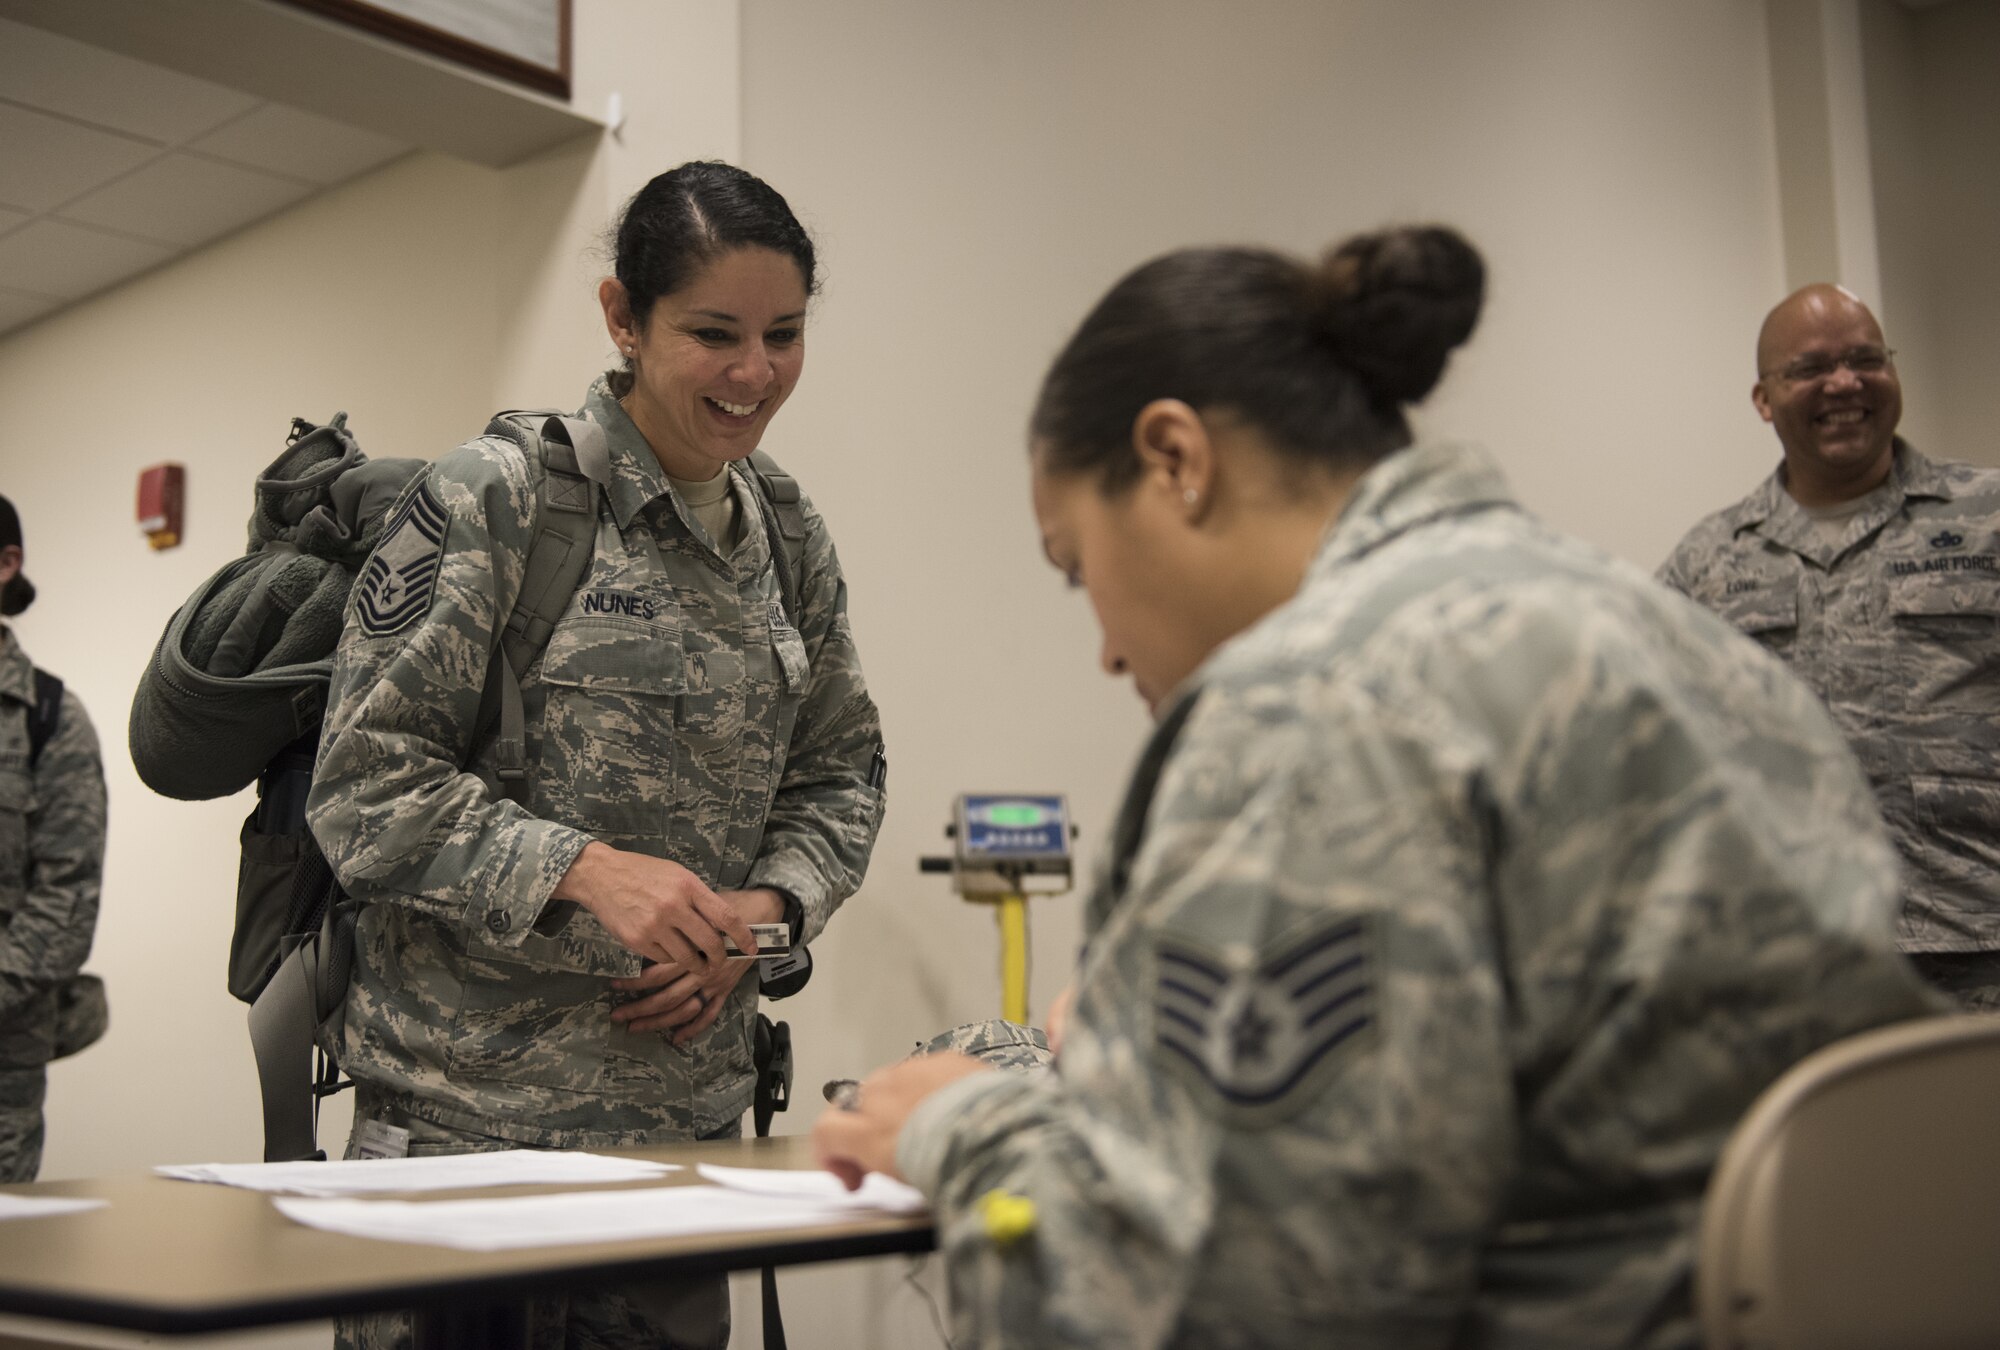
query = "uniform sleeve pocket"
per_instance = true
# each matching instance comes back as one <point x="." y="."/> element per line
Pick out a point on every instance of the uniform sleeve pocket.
<point x="620" y="656"/>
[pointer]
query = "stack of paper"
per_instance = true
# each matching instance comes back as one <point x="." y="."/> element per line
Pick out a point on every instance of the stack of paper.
<point x="458" y="1171"/>
<point x="877" y="1191"/>
<point x="44" y="1206"/>
<point x="752" y="1200"/>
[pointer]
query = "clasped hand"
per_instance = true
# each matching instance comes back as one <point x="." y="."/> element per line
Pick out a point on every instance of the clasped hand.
<point x="667" y="915"/>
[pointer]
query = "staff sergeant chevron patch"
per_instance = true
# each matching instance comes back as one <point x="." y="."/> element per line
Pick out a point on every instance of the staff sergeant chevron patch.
<point x="1261" y="1039"/>
<point x="400" y="575"/>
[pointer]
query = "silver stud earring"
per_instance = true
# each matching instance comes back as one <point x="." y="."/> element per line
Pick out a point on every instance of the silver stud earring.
<point x="1192" y="496"/>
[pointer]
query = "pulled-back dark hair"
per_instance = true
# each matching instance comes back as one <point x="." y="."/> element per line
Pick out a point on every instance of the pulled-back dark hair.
<point x="689" y="216"/>
<point x="1322" y="360"/>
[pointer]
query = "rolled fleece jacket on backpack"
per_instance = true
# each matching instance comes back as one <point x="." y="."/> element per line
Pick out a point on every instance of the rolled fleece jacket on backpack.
<point x="241" y="670"/>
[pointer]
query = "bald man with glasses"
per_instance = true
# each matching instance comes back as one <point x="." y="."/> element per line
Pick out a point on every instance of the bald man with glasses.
<point x="1875" y="574"/>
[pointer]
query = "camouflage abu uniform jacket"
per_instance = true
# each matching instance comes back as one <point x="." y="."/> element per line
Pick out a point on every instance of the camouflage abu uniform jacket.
<point x="1897" y="628"/>
<point x="674" y="712"/>
<point x="1482" y="887"/>
<point x="51" y="859"/>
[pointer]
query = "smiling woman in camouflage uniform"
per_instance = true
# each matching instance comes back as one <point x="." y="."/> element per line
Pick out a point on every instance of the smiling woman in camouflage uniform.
<point x="1469" y="890"/>
<point x="553" y="976"/>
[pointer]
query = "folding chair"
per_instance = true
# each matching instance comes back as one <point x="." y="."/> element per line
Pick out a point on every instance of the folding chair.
<point x="1857" y="1205"/>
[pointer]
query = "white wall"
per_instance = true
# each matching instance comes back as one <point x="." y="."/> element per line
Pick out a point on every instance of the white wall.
<point x="1906" y="304"/>
<point x="1959" y="60"/>
<point x="1933" y="122"/>
<point x="977" y="175"/>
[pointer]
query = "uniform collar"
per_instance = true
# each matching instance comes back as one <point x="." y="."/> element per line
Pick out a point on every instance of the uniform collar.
<point x="636" y="476"/>
<point x="1920" y="477"/>
<point x="1413" y="487"/>
<point x="1771" y="513"/>
<point x="17" y="673"/>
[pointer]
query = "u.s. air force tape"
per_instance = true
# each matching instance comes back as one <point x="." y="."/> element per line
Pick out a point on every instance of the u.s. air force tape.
<point x="400" y="576"/>
<point x="1263" y="1039"/>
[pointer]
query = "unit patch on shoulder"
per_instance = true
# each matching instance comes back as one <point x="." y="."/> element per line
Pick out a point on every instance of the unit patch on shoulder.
<point x="400" y="575"/>
<point x="1262" y="1039"/>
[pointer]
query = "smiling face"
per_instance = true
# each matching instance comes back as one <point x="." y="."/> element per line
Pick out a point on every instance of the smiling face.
<point x="1837" y="424"/>
<point x="715" y="360"/>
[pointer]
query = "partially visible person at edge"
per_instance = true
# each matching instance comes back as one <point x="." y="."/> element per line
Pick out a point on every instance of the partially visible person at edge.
<point x="554" y="976"/>
<point x="1470" y="888"/>
<point x="1875" y="573"/>
<point x="51" y="868"/>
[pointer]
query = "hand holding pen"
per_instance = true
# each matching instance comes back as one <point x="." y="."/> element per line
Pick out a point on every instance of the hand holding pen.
<point x="858" y="1135"/>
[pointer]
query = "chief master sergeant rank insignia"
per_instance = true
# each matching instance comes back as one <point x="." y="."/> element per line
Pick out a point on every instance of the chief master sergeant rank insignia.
<point x="400" y="575"/>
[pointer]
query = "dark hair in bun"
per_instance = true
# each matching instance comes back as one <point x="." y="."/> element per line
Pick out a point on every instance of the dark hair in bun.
<point x="1396" y="303"/>
<point x="1322" y="360"/>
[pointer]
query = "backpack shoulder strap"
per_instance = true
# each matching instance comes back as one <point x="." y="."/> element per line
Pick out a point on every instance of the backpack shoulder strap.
<point x="784" y="527"/>
<point x="576" y="464"/>
<point x="45" y="716"/>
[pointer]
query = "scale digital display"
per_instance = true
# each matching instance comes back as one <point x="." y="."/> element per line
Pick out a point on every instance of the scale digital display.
<point x="992" y="828"/>
<point x="1020" y="815"/>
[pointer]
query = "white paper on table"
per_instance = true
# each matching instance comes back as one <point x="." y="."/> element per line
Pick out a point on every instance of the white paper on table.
<point x="457" y="1171"/>
<point x="877" y="1191"/>
<point x="567" y="1217"/>
<point x="44" y="1206"/>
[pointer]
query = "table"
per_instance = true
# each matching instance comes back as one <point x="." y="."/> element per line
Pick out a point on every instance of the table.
<point x="178" y="1257"/>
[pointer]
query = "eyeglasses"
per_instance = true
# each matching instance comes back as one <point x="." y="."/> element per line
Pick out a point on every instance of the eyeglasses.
<point x="1812" y="369"/>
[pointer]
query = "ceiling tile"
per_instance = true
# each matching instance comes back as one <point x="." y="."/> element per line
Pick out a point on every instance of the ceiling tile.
<point x="17" y="308"/>
<point x="286" y="140"/>
<point x="45" y="161"/>
<point x="185" y="200"/>
<point x="77" y="80"/>
<point x="50" y="258"/>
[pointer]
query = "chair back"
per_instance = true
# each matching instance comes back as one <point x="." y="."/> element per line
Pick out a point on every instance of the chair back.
<point x="1857" y="1205"/>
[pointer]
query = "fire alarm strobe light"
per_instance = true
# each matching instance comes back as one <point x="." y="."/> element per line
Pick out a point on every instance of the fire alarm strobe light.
<point x="161" y="489"/>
